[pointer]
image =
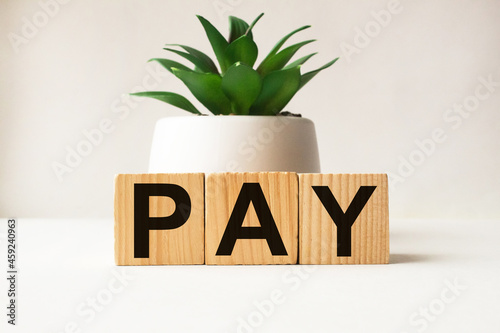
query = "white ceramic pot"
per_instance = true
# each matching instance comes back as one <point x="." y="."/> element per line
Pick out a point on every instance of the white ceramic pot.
<point x="234" y="144"/>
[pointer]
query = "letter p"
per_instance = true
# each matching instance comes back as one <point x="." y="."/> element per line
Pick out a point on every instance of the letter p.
<point x="143" y="223"/>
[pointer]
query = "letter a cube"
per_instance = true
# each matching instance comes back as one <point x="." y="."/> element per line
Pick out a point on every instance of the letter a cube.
<point x="251" y="218"/>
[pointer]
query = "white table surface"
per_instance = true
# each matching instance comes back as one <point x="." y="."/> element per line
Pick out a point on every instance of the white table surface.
<point x="66" y="264"/>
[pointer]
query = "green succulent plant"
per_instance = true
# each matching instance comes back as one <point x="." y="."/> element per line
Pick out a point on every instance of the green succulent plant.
<point x="237" y="88"/>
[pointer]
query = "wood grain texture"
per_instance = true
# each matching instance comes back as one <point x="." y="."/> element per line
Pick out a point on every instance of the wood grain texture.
<point x="184" y="245"/>
<point x="281" y="192"/>
<point x="318" y="232"/>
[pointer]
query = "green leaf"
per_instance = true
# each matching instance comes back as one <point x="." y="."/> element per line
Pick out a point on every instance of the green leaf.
<point x="282" y="41"/>
<point x="278" y="61"/>
<point x="249" y="30"/>
<point x="241" y="84"/>
<point x="242" y="50"/>
<point x="170" y="98"/>
<point x="218" y="42"/>
<point x="209" y="64"/>
<point x="308" y="76"/>
<point x="237" y="28"/>
<point x="169" y="64"/>
<point x="206" y="87"/>
<point x="200" y="66"/>
<point x="278" y="88"/>
<point x="300" y="61"/>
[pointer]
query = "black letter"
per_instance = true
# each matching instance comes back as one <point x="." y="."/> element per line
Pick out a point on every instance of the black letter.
<point x="251" y="192"/>
<point x="344" y="221"/>
<point x="143" y="223"/>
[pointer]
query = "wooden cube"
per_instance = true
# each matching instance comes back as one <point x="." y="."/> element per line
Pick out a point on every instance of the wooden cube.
<point x="251" y="218"/>
<point x="159" y="219"/>
<point x="343" y="219"/>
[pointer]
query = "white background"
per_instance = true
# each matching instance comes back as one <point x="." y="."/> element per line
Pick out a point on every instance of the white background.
<point x="73" y="70"/>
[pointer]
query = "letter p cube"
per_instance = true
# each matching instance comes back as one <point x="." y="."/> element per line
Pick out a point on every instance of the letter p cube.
<point x="160" y="219"/>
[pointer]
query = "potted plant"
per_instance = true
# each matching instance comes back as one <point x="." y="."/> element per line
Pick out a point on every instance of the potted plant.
<point x="250" y="131"/>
